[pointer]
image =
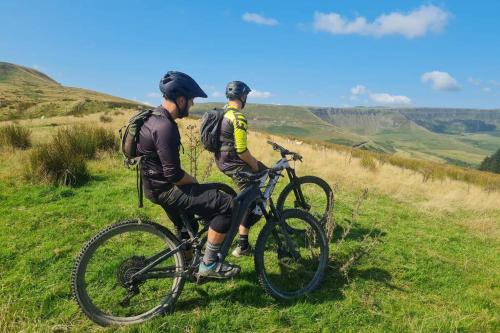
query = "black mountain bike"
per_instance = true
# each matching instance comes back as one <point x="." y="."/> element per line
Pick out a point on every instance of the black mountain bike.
<point x="134" y="270"/>
<point x="309" y="193"/>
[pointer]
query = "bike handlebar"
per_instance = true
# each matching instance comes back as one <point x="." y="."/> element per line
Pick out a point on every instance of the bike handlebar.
<point x="285" y="152"/>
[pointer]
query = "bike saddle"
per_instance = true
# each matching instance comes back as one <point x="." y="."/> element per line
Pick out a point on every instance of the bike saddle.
<point x="253" y="176"/>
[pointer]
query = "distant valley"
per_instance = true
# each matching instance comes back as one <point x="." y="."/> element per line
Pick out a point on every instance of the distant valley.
<point x="462" y="137"/>
<point x="457" y="136"/>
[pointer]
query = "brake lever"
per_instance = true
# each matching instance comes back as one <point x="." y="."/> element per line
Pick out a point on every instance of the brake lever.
<point x="296" y="157"/>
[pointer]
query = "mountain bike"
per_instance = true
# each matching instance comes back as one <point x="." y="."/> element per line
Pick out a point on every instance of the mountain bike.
<point x="134" y="270"/>
<point x="309" y="193"/>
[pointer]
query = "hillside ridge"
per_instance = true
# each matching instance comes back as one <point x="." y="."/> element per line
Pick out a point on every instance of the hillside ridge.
<point x="8" y="69"/>
<point x="29" y="93"/>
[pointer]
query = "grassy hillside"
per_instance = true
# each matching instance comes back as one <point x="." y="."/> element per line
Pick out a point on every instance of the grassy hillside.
<point x="28" y="93"/>
<point x="462" y="137"/>
<point x="436" y="267"/>
<point x="458" y="136"/>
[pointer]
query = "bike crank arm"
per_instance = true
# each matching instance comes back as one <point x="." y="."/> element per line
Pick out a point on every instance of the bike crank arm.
<point x="161" y="273"/>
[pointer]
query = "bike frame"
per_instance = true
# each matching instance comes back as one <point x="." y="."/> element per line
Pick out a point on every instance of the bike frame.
<point x="241" y="204"/>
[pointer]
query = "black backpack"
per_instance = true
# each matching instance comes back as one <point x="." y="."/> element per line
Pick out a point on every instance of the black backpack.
<point x="129" y="137"/>
<point x="210" y="129"/>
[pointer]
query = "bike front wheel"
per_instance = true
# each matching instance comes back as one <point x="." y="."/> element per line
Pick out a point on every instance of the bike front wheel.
<point x="309" y="193"/>
<point x="291" y="255"/>
<point x="103" y="279"/>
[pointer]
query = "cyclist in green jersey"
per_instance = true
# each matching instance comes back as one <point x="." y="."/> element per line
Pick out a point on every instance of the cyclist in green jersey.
<point x="234" y="155"/>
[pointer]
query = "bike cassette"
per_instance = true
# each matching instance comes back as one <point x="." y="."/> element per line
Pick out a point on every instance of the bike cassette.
<point x="128" y="268"/>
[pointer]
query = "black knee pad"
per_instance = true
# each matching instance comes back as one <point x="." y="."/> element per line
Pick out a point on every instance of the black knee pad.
<point x="221" y="223"/>
<point x="251" y="220"/>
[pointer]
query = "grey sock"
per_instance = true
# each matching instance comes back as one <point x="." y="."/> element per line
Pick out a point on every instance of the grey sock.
<point x="211" y="252"/>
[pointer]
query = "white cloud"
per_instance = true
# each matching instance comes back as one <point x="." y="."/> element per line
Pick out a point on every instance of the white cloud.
<point x="217" y="94"/>
<point x="388" y="99"/>
<point x="356" y="91"/>
<point x="417" y="23"/>
<point x="483" y="85"/>
<point x="379" y="98"/>
<point x="440" y="81"/>
<point x="259" y="19"/>
<point x="260" y="94"/>
<point x="146" y="103"/>
<point x="154" y="95"/>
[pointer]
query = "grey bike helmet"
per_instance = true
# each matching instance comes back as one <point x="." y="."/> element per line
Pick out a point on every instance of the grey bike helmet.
<point x="238" y="90"/>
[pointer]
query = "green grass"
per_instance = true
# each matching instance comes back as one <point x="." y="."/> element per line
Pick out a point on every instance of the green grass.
<point x="428" y="273"/>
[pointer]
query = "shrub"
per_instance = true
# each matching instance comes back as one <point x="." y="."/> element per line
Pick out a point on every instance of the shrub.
<point x="105" y="119"/>
<point x="15" y="136"/>
<point x="62" y="161"/>
<point x="105" y="139"/>
<point x="86" y="140"/>
<point x="58" y="164"/>
<point x="492" y="163"/>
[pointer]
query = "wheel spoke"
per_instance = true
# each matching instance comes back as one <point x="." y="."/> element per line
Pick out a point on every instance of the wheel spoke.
<point x="291" y="255"/>
<point x="112" y="260"/>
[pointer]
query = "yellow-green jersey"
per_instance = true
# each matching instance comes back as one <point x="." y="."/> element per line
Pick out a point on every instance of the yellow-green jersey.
<point x="233" y="135"/>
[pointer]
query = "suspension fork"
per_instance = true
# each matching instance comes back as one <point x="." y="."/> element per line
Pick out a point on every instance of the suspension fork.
<point x="275" y="215"/>
<point x="297" y="191"/>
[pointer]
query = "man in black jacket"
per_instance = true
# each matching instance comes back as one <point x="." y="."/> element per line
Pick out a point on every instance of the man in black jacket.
<point x="167" y="184"/>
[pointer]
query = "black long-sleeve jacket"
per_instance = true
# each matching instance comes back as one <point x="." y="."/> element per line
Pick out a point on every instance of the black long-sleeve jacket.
<point x="160" y="141"/>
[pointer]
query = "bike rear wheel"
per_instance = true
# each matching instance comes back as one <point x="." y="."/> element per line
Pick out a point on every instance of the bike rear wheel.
<point x="291" y="255"/>
<point x="103" y="270"/>
<point x="309" y="193"/>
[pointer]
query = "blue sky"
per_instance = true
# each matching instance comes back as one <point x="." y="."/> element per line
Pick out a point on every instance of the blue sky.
<point x="328" y="53"/>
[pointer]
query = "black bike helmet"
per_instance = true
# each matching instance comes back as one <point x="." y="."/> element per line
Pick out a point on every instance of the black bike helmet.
<point x="175" y="84"/>
<point x="237" y="90"/>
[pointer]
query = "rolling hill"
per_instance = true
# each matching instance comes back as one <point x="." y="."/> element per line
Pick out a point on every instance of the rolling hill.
<point x="28" y="93"/>
<point x="458" y="136"/>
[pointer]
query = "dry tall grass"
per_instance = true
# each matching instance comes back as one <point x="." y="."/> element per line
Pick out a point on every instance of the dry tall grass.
<point x="406" y="185"/>
<point x="401" y="178"/>
<point x="15" y="136"/>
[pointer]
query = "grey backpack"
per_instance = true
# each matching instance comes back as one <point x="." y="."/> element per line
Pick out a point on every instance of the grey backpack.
<point x="210" y="129"/>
